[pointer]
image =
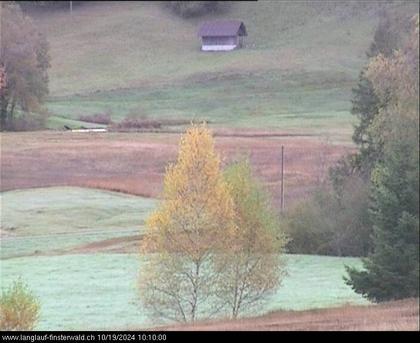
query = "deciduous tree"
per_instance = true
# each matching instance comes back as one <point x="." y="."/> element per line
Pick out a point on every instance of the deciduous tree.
<point x="193" y="222"/>
<point x="253" y="268"/>
<point x="24" y="56"/>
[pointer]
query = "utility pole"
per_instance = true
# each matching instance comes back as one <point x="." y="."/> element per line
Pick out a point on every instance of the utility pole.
<point x="282" y="180"/>
<point x="71" y="7"/>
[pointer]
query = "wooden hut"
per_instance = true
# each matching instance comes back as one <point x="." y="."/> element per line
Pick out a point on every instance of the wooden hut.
<point x="222" y="35"/>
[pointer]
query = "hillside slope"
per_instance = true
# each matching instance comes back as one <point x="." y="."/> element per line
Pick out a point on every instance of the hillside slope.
<point x="300" y="61"/>
<point x="123" y="45"/>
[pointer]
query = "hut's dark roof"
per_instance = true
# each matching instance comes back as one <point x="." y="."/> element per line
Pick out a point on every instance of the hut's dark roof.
<point x="220" y="28"/>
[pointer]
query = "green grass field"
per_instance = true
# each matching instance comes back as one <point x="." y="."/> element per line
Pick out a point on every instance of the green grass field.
<point x="44" y="219"/>
<point x="300" y="62"/>
<point x="259" y="101"/>
<point x="296" y="72"/>
<point x="99" y="291"/>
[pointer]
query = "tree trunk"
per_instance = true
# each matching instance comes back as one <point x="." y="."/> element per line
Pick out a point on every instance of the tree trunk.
<point x="3" y="113"/>
<point x="195" y="291"/>
<point x="11" y="112"/>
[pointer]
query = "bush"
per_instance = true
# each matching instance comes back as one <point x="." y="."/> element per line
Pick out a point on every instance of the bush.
<point x="98" y="118"/>
<point x="26" y="122"/>
<point x="306" y="230"/>
<point x="331" y="224"/>
<point x="138" y="123"/>
<point x="188" y="9"/>
<point x="19" y="308"/>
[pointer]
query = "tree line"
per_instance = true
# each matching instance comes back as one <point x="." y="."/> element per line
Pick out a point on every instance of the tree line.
<point x="370" y="206"/>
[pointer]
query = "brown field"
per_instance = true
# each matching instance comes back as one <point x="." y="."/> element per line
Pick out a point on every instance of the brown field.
<point x="135" y="162"/>
<point x="400" y="315"/>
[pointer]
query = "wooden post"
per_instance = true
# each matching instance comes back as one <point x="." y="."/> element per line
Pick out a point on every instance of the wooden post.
<point x="282" y="180"/>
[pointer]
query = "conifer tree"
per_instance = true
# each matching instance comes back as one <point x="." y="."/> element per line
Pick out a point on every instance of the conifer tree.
<point x="392" y="269"/>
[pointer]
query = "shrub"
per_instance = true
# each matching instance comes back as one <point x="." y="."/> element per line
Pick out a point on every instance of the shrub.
<point x="26" y="122"/>
<point x="332" y="224"/>
<point x="98" y="118"/>
<point x="19" y="308"/>
<point x="307" y="233"/>
<point x="136" y="119"/>
<point x="188" y="9"/>
<point x="138" y="123"/>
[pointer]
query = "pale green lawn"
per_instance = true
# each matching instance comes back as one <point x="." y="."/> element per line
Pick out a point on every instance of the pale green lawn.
<point x="55" y="122"/>
<point x="99" y="291"/>
<point x="96" y="291"/>
<point x="44" y="219"/>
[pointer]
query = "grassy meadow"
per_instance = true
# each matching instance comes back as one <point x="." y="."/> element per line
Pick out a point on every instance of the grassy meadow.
<point x="253" y="101"/>
<point x="39" y="221"/>
<point x="294" y="73"/>
<point x="98" y="291"/>
<point x="74" y="205"/>
<point x="99" y="287"/>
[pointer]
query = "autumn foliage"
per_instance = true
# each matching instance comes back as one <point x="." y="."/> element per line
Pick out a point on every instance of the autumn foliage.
<point x="19" y="309"/>
<point x="192" y="223"/>
<point x="25" y="60"/>
<point x="253" y="268"/>
<point x="197" y="207"/>
<point x="211" y="245"/>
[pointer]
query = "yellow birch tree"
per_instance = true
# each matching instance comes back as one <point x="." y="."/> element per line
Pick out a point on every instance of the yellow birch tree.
<point x="253" y="268"/>
<point x="193" y="222"/>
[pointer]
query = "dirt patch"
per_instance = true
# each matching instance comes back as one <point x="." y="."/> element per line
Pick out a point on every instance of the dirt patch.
<point x="126" y="244"/>
<point x="6" y="233"/>
<point x="135" y="162"/>
<point x="118" y="245"/>
<point x="397" y="315"/>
